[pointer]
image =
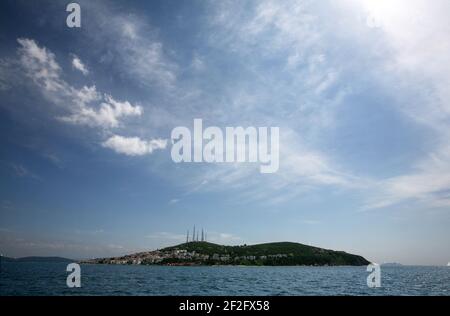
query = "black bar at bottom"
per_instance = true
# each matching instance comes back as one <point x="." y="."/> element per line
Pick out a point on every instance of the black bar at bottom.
<point x="214" y="305"/>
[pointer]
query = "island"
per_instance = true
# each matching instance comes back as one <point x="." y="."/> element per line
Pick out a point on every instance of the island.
<point x="204" y="253"/>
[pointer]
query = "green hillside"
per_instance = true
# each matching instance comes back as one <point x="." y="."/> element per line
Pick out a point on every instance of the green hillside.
<point x="277" y="253"/>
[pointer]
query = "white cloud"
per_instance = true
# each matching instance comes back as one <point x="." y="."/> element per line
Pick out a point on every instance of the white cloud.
<point x="90" y="232"/>
<point x="197" y="63"/>
<point x="302" y="171"/>
<point x="78" y="64"/>
<point x="41" y="66"/>
<point x="410" y="50"/>
<point x="134" y="146"/>
<point x="133" y="47"/>
<point x="167" y="236"/>
<point x="286" y="27"/>
<point x="428" y="183"/>
<point x="107" y="116"/>
<point x="223" y="238"/>
<point x="416" y="34"/>
<point x="86" y="95"/>
<point x="115" y="246"/>
<point x="85" y="106"/>
<point x="276" y="31"/>
<point x="310" y="166"/>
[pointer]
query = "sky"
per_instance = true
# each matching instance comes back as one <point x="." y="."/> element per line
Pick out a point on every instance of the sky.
<point x="358" y="89"/>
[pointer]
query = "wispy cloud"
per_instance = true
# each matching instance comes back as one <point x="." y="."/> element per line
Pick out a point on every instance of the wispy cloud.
<point x="297" y="82"/>
<point x="6" y="205"/>
<point x="429" y="183"/>
<point x="133" y="46"/>
<point x="166" y="236"/>
<point x="79" y="65"/>
<point x="90" y="232"/>
<point x="23" y="172"/>
<point x="40" y="64"/>
<point x="417" y="36"/>
<point x="215" y="237"/>
<point x="224" y="238"/>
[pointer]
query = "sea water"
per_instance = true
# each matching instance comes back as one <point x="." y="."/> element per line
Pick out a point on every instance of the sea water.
<point x="32" y="278"/>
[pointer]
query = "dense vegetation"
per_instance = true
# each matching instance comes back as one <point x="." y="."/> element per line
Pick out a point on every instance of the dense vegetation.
<point x="292" y="254"/>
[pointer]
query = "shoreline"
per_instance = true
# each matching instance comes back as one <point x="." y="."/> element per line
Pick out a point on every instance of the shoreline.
<point x="219" y="265"/>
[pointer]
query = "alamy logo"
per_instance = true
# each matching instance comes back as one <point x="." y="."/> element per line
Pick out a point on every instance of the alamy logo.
<point x="74" y="278"/>
<point x="74" y="18"/>
<point x="374" y="278"/>
<point x="237" y="144"/>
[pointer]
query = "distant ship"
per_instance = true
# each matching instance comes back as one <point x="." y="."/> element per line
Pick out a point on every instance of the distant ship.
<point x="448" y="264"/>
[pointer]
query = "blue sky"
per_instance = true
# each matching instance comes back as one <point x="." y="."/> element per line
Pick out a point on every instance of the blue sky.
<point x="359" y="90"/>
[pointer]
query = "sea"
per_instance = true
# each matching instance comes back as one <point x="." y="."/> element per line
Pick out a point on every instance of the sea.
<point x="36" y="278"/>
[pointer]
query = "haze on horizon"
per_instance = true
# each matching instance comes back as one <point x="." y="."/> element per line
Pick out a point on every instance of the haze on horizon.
<point x="359" y="90"/>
